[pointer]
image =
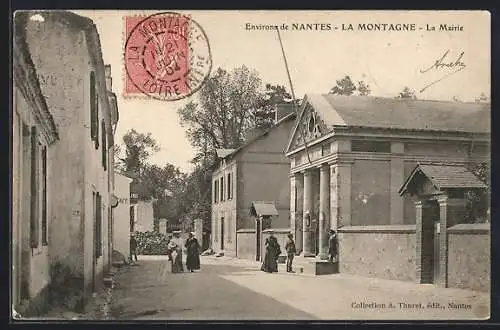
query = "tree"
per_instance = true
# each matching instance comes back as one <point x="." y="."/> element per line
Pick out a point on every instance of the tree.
<point x="264" y="114"/>
<point x="363" y="89"/>
<point x="478" y="201"/>
<point x="138" y="147"/>
<point x="407" y="94"/>
<point x="482" y="98"/>
<point x="344" y="86"/>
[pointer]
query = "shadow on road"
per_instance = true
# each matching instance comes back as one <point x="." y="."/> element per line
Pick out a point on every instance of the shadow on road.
<point x="150" y="291"/>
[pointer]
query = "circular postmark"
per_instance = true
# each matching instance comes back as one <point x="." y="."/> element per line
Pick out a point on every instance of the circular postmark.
<point x="167" y="56"/>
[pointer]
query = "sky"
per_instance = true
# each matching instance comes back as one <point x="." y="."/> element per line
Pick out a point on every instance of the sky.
<point x="385" y="60"/>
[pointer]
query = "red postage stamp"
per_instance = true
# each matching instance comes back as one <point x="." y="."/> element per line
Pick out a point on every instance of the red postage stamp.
<point x="167" y="56"/>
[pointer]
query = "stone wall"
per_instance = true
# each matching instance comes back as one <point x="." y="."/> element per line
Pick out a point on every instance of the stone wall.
<point x="246" y="245"/>
<point x="469" y="262"/>
<point x="378" y="251"/>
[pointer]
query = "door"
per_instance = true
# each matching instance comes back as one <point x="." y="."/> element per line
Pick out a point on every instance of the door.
<point x="257" y="238"/>
<point x="222" y="233"/>
<point x="94" y="252"/>
<point x="435" y="275"/>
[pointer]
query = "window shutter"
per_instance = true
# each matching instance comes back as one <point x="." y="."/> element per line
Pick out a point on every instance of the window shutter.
<point x="34" y="228"/>
<point x="44" y="196"/>
<point x="104" y="148"/>
<point x="97" y="122"/>
<point x="93" y="107"/>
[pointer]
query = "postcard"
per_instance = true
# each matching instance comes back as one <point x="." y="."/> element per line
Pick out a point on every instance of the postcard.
<point x="251" y="165"/>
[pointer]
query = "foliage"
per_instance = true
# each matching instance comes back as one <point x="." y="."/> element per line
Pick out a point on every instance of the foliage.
<point x="228" y="104"/>
<point x="138" y="147"/>
<point x="363" y="89"/>
<point x="407" y="94"/>
<point x="151" y="243"/>
<point x="478" y="201"/>
<point x="344" y="86"/>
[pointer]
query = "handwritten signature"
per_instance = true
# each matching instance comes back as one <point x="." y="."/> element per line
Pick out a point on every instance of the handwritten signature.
<point x="443" y="63"/>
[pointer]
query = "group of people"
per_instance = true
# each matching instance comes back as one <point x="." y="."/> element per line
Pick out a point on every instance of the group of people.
<point x="174" y="252"/>
<point x="175" y="247"/>
<point x="273" y="251"/>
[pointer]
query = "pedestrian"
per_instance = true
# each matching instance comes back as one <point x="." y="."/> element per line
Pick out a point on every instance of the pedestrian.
<point x="332" y="245"/>
<point x="175" y="251"/>
<point x="193" y="253"/>
<point x="290" y="252"/>
<point x="273" y="251"/>
<point x="133" y="247"/>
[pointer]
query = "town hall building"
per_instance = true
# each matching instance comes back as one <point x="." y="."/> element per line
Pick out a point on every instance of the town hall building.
<point x="350" y="158"/>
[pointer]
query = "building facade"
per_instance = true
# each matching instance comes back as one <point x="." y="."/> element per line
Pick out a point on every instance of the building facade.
<point x="254" y="172"/>
<point x="349" y="157"/>
<point x="74" y="81"/>
<point x="34" y="136"/>
<point x="121" y="215"/>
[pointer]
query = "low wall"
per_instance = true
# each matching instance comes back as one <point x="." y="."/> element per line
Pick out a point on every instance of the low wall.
<point x="385" y="251"/>
<point x="469" y="262"/>
<point x="281" y="235"/>
<point x="245" y="244"/>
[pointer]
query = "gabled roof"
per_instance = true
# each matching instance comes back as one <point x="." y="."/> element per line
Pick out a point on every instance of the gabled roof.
<point x="263" y="209"/>
<point x="71" y="20"/>
<point x="444" y="177"/>
<point x="224" y="153"/>
<point x="400" y="114"/>
<point x="26" y="79"/>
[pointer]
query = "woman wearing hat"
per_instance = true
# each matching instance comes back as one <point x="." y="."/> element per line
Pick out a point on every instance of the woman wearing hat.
<point x="175" y="250"/>
<point x="193" y="253"/>
<point x="273" y="251"/>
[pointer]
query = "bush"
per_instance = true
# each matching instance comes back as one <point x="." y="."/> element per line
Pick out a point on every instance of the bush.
<point x="151" y="243"/>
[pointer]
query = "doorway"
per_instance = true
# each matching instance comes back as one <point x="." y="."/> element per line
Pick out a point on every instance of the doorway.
<point x="222" y="233"/>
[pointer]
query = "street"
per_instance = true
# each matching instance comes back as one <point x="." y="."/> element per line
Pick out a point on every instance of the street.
<point x="233" y="289"/>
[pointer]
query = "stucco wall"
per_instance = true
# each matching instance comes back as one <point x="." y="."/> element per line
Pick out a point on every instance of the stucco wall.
<point x="121" y="215"/>
<point x="370" y="192"/>
<point x="469" y="253"/>
<point x="281" y="237"/>
<point x="378" y="251"/>
<point x="61" y="63"/>
<point x="144" y="220"/>
<point x="246" y="244"/>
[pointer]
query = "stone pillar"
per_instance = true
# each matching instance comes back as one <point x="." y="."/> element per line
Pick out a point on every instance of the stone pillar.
<point x="324" y="210"/>
<point x="299" y="210"/>
<point x="307" y="228"/>
<point x="424" y="242"/>
<point x="451" y="212"/>
<point x="397" y="178"/>
<point x="293" y="206"/>
<point x="340" y="199"/>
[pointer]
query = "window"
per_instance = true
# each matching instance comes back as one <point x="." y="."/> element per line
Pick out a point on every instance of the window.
<point x="371" y="146"/>
<point x="222" y="189"/>
<point x="93" y="107"/>
<point x="44" y="196"/>
<point x="104" y="149"/>
<point x="216" y="190"/>
<point x="98" y="225"/>
<point x="229" y="186"/>
<point x="34" y="195"/>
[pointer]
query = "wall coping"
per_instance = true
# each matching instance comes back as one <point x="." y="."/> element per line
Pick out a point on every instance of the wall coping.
<point x="277" y="230"/>
<point x="242" y="231"/>
<point x="389" y="229"/>
<point x="470" y="228"/>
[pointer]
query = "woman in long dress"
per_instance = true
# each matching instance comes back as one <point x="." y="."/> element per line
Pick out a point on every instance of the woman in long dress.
<point x="193" y="253"/>
<point x="175" y="251"/>
<point x="270" y="264"/>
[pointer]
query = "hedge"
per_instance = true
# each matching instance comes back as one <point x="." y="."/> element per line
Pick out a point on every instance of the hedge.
<point x="151" y="243"/>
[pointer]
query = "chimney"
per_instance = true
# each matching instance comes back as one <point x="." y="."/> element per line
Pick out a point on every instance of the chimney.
<point x="282" y="110"/>
<point x="109" y="80"/>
